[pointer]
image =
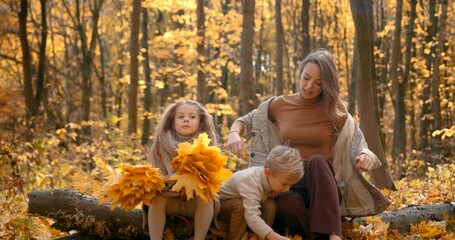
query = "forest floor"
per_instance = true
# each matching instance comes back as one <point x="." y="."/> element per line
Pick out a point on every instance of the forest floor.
<point x="54" y="162"/>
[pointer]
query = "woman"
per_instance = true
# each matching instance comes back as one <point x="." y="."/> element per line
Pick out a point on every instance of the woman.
<point x="316" y="122"/>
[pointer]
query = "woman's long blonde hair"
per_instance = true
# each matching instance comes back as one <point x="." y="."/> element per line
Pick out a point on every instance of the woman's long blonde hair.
<point x="330" y="95"/>
<point x="165" y="142"/>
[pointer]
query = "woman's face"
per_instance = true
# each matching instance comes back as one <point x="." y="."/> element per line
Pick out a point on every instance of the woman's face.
<point x="310" y="82"/>
<point x="186" y="120"/>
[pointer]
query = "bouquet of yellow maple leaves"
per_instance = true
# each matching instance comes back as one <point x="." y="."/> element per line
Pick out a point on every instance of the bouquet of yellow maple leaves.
<point x="134" y="185"/>
<point x="199" y="169"/>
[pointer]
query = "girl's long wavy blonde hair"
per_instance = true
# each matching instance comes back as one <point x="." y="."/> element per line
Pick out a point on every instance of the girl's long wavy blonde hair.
<point x="165" y="142"/>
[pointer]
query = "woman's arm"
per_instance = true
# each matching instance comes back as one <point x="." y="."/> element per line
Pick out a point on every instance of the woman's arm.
<point x="365" y="159"/>
<point x="238" y="129"/>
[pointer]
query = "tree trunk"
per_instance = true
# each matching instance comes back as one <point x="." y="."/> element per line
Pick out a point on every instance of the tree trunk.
<point x="279" y="48"/>
<point x="425" y="117"/>
<point x="42" y="58"/>
<point x="75" y="211"/>
<point x="354" y="79"/>
<point x="88" y="51"/>
<point x="258" y="85"/>
<point x="306" y="43"/>
<point x="400" y="115"/>
<point x="134" y="67"/>
<point x="407" y="70"/>
<point x="363" y="21"/>
<point x="148" y="81"/>
<point x="436" y="102"/>
<point x="31" y="108"/>
<point x="399" y="129"/>
<point x="247" y="99"/>
<point x="201" y="51"/>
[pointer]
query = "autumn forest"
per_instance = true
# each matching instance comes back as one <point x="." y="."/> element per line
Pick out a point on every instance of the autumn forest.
<point x="83" y="84"/>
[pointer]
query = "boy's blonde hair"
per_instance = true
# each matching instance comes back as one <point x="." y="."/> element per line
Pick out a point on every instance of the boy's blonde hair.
<point x="286" y="162"/>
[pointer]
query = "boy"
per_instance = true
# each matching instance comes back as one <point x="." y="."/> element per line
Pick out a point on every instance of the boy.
<point x="247" y="198"/>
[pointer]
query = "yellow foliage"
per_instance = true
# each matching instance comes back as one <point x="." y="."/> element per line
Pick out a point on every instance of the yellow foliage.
<point x="135" y="184"/>
<point x="199" y="169"/>
<point x="429" y="230"/>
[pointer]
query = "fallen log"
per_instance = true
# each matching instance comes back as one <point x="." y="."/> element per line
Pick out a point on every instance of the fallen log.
<point x="75" y="211"/>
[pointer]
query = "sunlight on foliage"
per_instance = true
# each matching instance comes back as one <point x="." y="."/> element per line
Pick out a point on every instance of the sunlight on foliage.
<point x="199" y="169"/>
<point x="446" y="132"/>
<point x="134" y="185"/>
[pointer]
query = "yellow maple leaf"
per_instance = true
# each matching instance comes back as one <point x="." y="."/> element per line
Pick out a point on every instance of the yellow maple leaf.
<point x="199" y="169"/>
<point x="135" y="184"/>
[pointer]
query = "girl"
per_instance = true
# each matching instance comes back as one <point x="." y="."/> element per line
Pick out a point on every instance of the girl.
<point x="181" y="121"/>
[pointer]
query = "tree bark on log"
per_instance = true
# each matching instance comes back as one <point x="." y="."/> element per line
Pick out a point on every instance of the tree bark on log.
<point x="75" y="211"/>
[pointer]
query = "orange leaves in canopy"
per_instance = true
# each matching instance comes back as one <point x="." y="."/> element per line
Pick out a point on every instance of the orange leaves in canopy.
<point x="135" y="184"/>
<point x="199" y="169"/>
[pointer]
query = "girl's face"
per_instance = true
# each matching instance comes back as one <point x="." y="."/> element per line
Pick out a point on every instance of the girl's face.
<point x="186" y="120"/>
<point x="310" y="81"/>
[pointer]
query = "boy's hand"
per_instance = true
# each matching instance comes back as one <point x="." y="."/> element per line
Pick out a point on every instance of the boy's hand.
<point x="275" y="236"/>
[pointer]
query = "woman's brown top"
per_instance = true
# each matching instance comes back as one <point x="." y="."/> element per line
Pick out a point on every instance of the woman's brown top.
<point x="304" y="124"/>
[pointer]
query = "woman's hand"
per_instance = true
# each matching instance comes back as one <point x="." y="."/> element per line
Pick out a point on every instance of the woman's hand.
<point x="234" y="143"/>
<point x="364" y="162"/>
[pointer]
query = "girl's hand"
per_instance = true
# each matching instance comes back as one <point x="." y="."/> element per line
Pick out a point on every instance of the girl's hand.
<point x="364" y="162"/>
<point x="235" y="143"/>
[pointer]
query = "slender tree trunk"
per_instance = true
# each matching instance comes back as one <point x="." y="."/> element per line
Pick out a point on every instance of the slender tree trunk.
<point x="102" y="77"/>
<point x="134" y="67"/>
<point x="42" y="58"/>
<point x="260" y="50"/>
<point x="349" y="79"/>
<point x="407" y="70"/>
<point x="436" y="102"/>
<point x="399" y="130"/>
<point x="306" y="40"/>
<point x="354" y="79"/>
<point x="425" y="117"/>
<point x="88" y="50"/>
<point x="279" y="48"/>
<point x="363" y="21"/>
<point x="30" y="104"/>
<point x="247" y="99"/>
<point x="68" y="98"/>
<point x="201" y="51"/>
<point x="400" y="115"/>
<point x="148" y="81"/>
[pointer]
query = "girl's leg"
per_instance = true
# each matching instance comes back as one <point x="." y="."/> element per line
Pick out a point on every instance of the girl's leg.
<point x="157" y="217"/>
<point x="203" y="217"/>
